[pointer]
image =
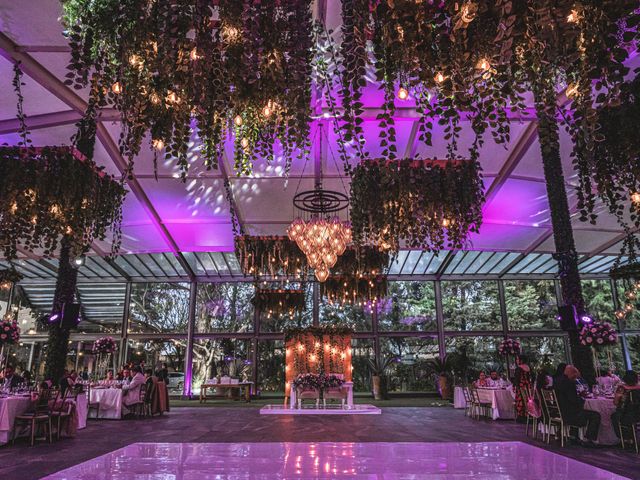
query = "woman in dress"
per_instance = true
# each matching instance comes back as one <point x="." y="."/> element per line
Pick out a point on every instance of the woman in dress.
<point x="522" y="382"/>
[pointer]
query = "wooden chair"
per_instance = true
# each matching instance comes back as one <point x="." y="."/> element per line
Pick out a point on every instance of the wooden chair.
<point x="92" y="405"/>
<point x="468" y="401"/>
<point x="62" y="409"/>
<point x="527" y="395"/>
<point x="632" y="429"/>
<point x="484" y="408"/>
<point x="555" y="419"/>
<point x="149" y="397"/>
<point x="40" y="415"/>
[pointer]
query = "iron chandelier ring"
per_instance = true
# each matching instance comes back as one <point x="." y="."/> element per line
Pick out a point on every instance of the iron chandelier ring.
<point x="320" y="201"/>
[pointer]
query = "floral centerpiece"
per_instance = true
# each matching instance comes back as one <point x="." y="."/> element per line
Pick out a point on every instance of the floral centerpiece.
<point x="598" y="335"/>
<point x="330" y="381"/>
<point x="509" y="346"/>
<point x="9" y="332"/>
<point x="307" y="381"/>
<point x="104" y="345"/>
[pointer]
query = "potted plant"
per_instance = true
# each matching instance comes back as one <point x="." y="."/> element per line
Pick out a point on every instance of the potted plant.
<point x="441" y="367"/>
<point x="378" y="368"/>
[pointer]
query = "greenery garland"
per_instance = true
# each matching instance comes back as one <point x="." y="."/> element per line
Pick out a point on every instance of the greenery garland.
<point x="273" y="256"/>
<point x="358" y="290"/>
<point x="240" y="66"/>
<point x="276" y="302"/>
<point x="427" y="204"/>
<point x="319" y="331"/>
<point x="10" y="275"/>
<point x="54" y="192"/>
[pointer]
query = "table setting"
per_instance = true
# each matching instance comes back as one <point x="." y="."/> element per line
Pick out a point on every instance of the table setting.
<point x="109" y="396"/>
<point x="601" y="400"/>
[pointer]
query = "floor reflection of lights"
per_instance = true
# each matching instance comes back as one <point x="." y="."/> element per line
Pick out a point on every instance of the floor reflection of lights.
<point x="376" y="460"/>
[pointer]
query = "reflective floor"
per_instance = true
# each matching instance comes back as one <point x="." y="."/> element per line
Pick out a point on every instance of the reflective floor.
<point x="376" y="460"/>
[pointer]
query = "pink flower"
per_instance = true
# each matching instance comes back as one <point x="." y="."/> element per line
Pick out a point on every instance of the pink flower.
<point x="600" y="340"/>
<point x="3" y="336"/>
<point x="589" y="339"/>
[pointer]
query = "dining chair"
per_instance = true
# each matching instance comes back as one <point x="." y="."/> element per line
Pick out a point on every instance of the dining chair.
<point x="529" y="395"/>
<point x="484" y="408"/>
<point x="92" y="405"/>
<point x="468" y="408"/>
<point x="632" y="429"/>
<point x="39" y="415"/>
<point x="62" y="408"/>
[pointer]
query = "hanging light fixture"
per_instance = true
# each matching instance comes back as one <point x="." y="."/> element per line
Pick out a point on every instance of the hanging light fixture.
<point x="318" y="230"/>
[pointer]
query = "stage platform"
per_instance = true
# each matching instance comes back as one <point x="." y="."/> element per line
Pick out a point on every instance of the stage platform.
<point x="360" y="409"/>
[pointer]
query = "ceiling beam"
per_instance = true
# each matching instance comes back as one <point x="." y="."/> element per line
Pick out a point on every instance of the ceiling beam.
<point x="516" y="154"/>
<point x="608" y="244"/>
<point x="54" y="119"/>
<point x="50" y="82"/>
<point x="110" y="262"/>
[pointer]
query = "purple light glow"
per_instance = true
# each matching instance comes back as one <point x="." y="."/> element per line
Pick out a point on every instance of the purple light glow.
<point x="586" y="319"/>
<point x="54" y="317"/>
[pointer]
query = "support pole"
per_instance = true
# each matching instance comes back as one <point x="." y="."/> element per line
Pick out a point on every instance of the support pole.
<point x="188" y="367"/>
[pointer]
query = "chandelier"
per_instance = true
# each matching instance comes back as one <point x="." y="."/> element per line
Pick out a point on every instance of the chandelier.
<point x="318" y="230"/>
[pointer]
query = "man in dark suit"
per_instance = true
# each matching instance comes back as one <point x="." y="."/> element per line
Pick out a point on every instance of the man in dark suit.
<point x="11" y="379"/>
<point x="572" y="405"/>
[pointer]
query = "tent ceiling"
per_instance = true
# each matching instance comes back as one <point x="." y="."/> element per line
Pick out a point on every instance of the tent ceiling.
<point x="166" y="217"/>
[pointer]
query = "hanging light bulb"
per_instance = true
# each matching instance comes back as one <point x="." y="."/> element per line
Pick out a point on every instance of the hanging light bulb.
<point x="116" y="88"/>
<point x="402" y="93"/>
<point x="154" y="98"/>
<point x="620" y="314"/>
<point x="572" y="90"/>
<point x="483" y="64"/>
<point x="158" y="144"/>
<point x="194" y="54"/>
<point x="322" y="274"/>
<point x="439" y="78"/>
<point x="172" y="97"/>
<point x="266" y="111"/>
<point x="635" y="197"/>
<point x="573" y="17"/>
<point x="238" y="121"/>
<point x="244" y="143"/>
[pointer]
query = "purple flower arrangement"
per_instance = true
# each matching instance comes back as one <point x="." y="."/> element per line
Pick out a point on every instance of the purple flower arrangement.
<point x="598" y="335"/>
<point x="314" y="381"/>
<point x="9" y="332"/>
<point x="104" y="345"/>
<point x="509" y="346"/>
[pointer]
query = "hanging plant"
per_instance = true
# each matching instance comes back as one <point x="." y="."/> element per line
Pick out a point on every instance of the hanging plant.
<point x="630" y="277"/>
<point x="241" y="67"/>
<point x="274" y="256"/>
<point x="276" y="302"/>
<point x="426" y="204"/>
<point x="53" y="192"/>
<point x="318" y="332"/>
<point x="9" y="276"/>
<point x="355" y="290"/>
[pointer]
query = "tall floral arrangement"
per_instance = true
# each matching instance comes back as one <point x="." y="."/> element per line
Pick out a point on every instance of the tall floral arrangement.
<point x="9" y="332"/>
<point x="509" y="347"/>
<point x="230" y="66"/>
<point x="104" y="345"/>
<point x="598" y="335"/>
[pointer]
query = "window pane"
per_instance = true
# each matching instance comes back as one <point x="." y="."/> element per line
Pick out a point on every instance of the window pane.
<point x="471" y="305"/>
<point x="474" y="354"/>
<point x="29" y="311"/>
<point x="224" y="307"/>
<point x="218" y="357"/>
<point x="632" y="320"/>
<point x="159" y="308"/>
<point x="598" y="300"/>
<point x="361" y="352"/>
<point x="633" y="341"/>
<point x="356" y="317"/>
<point x="156" y="352"/>
<point x="410" y="306"/>
<point x="409" y="372"/>
<point x="271" y="366"/>
<point x="531" y="304"/>
<point x="543" y="351"/>
<point x="102" y="307"/>
<point x="280" y="323"/>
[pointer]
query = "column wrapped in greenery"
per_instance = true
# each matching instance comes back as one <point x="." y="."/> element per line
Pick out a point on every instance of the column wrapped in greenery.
<point x="241" y="66"/>
<point x="56" y="201"/>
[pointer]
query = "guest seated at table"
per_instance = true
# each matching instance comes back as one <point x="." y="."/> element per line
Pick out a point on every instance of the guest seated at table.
<point x="109" y="379"/>
<point x="572" y="405"/>
<point x="559" y="372"/>
<point x="124" y="375"/>
<point x="11" y="378"/>
<point x="496" y="381"/>
<point x="131" y="390"/>
<point x="609" y="380"/>
<point x="544" y="381"/>
<point x="482" y="380"/>
<point x="627" y="402"/>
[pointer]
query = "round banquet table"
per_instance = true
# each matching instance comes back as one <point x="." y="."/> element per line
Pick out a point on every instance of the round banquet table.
<point x="10" y="408"/>
<point x="605" y="407"/>
<point x="502" y="402"/>
<point x="110" y="400"/>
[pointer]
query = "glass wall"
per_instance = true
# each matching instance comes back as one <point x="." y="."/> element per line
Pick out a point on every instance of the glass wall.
<point x="229" y="337"/>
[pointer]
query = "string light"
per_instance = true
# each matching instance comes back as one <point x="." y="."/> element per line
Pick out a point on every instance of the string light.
<point x="439" y="78"/>
<point x="573" y="17"/>
<point x="158" y="144"/>
<point x="238" y="121"/>
<point x="116" y="88"/>
<point x="484" y="65"/>
<point x="402" y="93"/>
<point x="266" y="111"/>
<point x="635" y="197"/>
<point x="194" y="54"/>
<point x="245" y="143"/>
<point x="172" y="97"/>
<point x="572" y="90"/>
<point x="154" y="98"/>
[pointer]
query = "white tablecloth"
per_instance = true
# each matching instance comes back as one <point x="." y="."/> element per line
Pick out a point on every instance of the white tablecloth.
<point x="458" y="398"/>
<point x="347" y="385"/>
<point x="502" y="402"/>
<point x="605" y="407"/>
<point x="82" y="407"/>
<point x="10" y="408"/>
<point x="110" y="400"/>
